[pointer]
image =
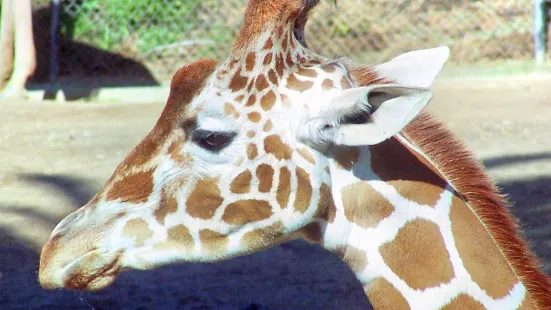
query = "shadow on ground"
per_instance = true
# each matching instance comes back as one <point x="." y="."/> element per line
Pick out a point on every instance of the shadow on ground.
<point x="531" y="200"/>
<point x="84" y="69"/>
<point x="515" y="159"/>
<point x="295" y="275"/>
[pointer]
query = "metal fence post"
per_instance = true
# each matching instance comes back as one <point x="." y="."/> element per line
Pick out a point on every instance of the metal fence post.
<point x="540" y="30"/>
<point x="54" y="49"/>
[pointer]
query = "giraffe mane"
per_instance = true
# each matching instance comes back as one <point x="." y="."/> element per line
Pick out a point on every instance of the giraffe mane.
<point x="467" y="176"/>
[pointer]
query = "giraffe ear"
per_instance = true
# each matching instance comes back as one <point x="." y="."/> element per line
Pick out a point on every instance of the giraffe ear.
<point x="417" y="68"/>
<point x="367" y="115"/>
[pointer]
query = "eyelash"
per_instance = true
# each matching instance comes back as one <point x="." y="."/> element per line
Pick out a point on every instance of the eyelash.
<point x="211" y="140"/>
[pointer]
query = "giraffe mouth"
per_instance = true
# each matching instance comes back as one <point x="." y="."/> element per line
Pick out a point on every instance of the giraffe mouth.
<point x="92" y="271"/>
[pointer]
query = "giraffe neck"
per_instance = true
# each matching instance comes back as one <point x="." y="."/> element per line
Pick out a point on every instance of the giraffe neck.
<point x="410" y="238"/>
<point x="273" y="53"/>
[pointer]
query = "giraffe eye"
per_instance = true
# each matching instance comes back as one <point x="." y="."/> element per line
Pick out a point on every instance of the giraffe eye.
<point x="212" y="141"/>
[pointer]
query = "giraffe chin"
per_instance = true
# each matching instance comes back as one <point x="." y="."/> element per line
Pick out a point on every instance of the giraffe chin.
<point x="91" y="272"/>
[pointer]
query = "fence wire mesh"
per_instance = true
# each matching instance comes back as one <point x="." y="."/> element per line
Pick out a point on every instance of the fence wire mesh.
<point x="153" y="38"/>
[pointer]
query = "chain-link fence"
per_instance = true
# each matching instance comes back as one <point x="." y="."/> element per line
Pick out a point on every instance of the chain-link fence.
<point x="153" y="38"/>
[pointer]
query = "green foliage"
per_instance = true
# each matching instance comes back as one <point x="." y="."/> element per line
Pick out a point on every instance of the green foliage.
<point x="138" y="25"/>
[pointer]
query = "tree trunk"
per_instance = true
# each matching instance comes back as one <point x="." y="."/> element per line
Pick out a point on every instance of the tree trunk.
<point x="25" y="53"/>
<point x="6" y="41"/>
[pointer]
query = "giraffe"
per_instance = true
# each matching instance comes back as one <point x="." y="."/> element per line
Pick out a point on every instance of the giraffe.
<point x="277" y="143"/>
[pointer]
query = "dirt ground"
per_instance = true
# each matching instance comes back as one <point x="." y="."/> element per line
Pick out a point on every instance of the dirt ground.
<point x="54" y="157"/>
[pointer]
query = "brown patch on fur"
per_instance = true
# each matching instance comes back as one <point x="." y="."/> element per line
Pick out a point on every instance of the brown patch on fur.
<point x="464" y="301"/>
<point x="311" y="232"/>
<point x="204" y="200"/>
<point x="498" y="280"/>
<point x="268" y="101"/>
<point x="326" y="205"/>
<point x="289" y="60"/>
<point x="272" y="76"/>
<point x="304" y="191"/>
<point x="293" y="43"/>
<point x="269" y="44"/>
<point x="329" y="68"/>
<point x="365" y="76"/>
<point x="134" y="188"/>
<point x="250" y="61"/>
<point x="268" y="59"/>
<point x="252" y="151"/>
<point x="168" y="205"/>
<point x="345" y="157"/>
<point x="263" y="237"/>
<point x="365" y="206"/>
<point x="345" y="83"/>
<point x="240" y="98"/>
<point x="213" y="241"/>
<point x="251" y="134"/>
<point x="388" y="155"/>
<point x="247" y="211"/>
<point x="280" y="66"/>
<point x="354" y="257"/>
<point x="254" y="117"/>
<point x="232" y="63"/>
<point x="250" y="87"/>
<point x="268" y="126"/>
<point x="468" y="178"/>
<point x="238" y="82"/>
<point x="284" y="187"/>
<point x="420" y="244"/>
<point x="229" y="110"/>
<point x="297" y="85"/>
<point x="279" y="32"/>
<point x="242" y="183"/>
<point x="327" y="84"/>
<point x="307" y="72"/>
<point x="428" y="196"/>
<point x="261" y="83"/>
<point x="180" y="235"/>
<point x="265" y="175"/>
<point x="251" y="101"/>
<point x="306" y="155"/>
<point x="274" y="145"/>
<point x="313" y="62"/>
<point x="139" y="229"/>
<point x="384" y="296"/>
<point x="284" y="43"/>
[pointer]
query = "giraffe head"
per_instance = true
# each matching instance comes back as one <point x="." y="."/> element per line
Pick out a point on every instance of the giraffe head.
<point x="238" y="160"/>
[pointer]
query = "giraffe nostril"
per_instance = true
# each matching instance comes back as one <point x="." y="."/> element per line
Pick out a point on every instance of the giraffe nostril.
<point x="70" y="219"/>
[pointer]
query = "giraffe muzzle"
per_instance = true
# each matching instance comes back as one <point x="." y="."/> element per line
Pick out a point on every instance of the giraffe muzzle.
<point x="94" y="270"/>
